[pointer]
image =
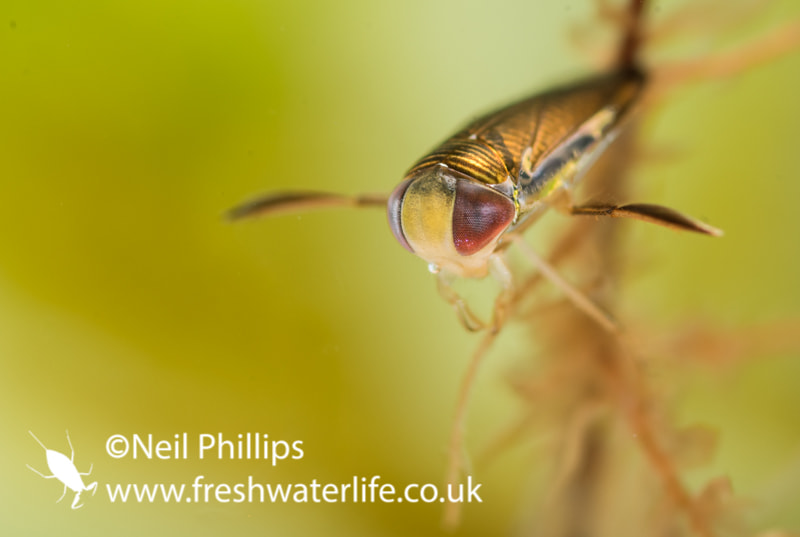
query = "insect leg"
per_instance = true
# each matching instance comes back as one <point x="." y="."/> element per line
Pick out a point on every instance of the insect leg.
<point x="466" y="317"/>
<point x="290" y="202"/>
<point x="647" y="212"/>
<point x="92" y="487"/>
<point x="456" y="459"/>
<point x="40" y="473"/>
<point x="578" y="298"/>
<point x="89" y="472"/>
<point x="500" y="270"/>
<point x="76" y="500"/>
<point x="62" y="494"/>
<point x="72" y="450"/>
<point x="458" y="463"/>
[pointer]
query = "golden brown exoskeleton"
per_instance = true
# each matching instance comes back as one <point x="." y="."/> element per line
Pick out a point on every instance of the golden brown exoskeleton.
<point x="460" y="206"/>
<point x="457" y="205"/>
<point x="491" y="178"/>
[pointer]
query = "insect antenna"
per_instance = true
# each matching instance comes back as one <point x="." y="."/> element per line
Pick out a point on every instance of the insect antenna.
<point x="293" y="202"/>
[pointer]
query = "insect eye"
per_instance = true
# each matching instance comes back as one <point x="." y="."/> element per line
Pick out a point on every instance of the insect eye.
<point x="479" y="215"/>
<point x="394" y="207"/>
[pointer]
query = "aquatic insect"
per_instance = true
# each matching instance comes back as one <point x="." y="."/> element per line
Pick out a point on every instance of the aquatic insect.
<point x="64" y="470"/>
<point x="460" y="206"/>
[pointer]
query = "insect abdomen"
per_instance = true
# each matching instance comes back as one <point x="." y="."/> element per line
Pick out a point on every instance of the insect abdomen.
<point x="490" y="149"/>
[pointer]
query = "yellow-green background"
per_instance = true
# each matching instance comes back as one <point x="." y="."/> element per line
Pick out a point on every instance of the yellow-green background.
<point x="128" y="306"/>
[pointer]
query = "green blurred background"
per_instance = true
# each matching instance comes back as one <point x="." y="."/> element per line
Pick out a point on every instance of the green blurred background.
<point x="128" y="306"/>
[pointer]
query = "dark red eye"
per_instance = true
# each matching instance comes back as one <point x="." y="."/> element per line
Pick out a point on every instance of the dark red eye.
<point x="480" y="214"/>
<point x="393" y="209"/>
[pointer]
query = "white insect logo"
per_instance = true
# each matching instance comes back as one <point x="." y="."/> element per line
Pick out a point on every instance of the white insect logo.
<point x="64" y="470"/>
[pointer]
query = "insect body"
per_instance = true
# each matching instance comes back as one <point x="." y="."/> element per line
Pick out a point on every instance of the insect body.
<point x="456" y="203"/>
<point x="64" y="470"/>
<point x="459" y="207"/>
